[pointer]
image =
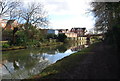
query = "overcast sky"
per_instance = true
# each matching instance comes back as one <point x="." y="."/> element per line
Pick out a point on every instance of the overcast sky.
<point x="68" y="13"/>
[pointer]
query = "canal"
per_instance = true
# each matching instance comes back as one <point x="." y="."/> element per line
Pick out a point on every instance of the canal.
<point x="21" y="64"/>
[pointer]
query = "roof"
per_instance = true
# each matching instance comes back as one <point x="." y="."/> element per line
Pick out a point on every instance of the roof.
<point x="79" y="28"/>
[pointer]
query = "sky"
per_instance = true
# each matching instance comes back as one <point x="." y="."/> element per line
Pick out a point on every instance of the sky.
<point x="65" y="14"/>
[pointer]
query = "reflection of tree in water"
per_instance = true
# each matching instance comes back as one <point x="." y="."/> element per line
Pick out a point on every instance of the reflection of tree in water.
<point x="30" y="66"/>
<point x="31" y="60"/>
<point x="88" y="42"/>
<point x="25" y="73"/>
<point x="49" y="50"/>
<point x="16" y="65"/>
<point x="22" y="58"/>
<point x="63" y="48"/>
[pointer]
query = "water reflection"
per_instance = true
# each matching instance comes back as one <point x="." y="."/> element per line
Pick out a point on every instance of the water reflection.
<point x="21" y="64"/>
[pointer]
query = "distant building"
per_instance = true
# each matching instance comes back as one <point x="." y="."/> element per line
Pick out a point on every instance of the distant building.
<point x="67" y="32"/>
<point x="71" y="34"/>
<point x="52" y="31"/>
<point x="79" y="31"/>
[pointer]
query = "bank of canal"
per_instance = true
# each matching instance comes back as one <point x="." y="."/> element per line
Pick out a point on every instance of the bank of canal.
<point x="24" y="63"/>
<point x="99" y="61"/>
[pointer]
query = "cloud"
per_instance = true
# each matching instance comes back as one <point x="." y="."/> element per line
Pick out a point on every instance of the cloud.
<point x="76" y="21"/>
<point x="68" y="13"/>
<point x="66" y="6"/>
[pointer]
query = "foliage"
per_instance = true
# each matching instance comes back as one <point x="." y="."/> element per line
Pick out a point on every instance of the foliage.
<point x="113" y="36"/>
<point x="107" y="20"/>
<point x="7" y="35"/>
<point x="33" y="15"/>
<point x="107" y="14"/>
<point x="28" y="37"/>
<point x="7" y="32"/>
<point x="33" y="43"/>
<point x="5" y="45"/>
<point x="61" y="37"/>
<point x="52" y="36"/>
<point x="63" y="48"/>
<point x="21" y="38"/>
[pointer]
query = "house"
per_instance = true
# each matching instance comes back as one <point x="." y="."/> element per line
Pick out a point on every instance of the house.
<point x="3" y="23"/>
<point x="67" y="33"/>
<point x="74" y="32"/>
<point x="71" y="34"/>
<point x="79" y="31"/>
<point x="8" y="24"/>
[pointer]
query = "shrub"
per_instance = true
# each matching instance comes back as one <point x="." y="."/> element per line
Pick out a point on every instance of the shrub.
<point x="52" y="36"/>
<point x="5" y="45"/>
<point x="21" y="38"/>
<point x="61" y="37"/>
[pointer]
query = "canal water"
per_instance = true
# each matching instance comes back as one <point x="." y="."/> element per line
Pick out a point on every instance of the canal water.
<point x="21" y="64"/>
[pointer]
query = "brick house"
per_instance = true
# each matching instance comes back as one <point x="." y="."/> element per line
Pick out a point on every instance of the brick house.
<point x="3" y="23"/>
<point x="8" y="24"/>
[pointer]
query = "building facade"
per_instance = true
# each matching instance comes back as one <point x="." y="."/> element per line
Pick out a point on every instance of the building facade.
<point x="71" y="34"/>
<point x="3" y="23"/>
<point x="79" y="31"/>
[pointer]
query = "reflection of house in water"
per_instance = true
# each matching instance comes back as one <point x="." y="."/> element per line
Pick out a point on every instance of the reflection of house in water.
<point x="78" y="48"/>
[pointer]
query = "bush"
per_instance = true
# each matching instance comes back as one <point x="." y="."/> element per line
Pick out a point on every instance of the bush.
<point x="33" y="43"/>
<point x="61" y="37"/>
<point x="7" y="35"/>
<point x="112" y="36"/>
<point x="5" y="45"/>
<point x="52" y="36"/>
<point x="21" y="38"/>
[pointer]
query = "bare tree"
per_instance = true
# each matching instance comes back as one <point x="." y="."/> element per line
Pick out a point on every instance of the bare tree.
<point x="34" y="14"/>
<point x="7" y="7"/>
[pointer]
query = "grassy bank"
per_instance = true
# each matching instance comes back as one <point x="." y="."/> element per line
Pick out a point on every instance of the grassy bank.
<point x="64" y="65"/>
<point x="99" y="61"/>
<point x="13" y="48"/>
<point x="7" y="47"/>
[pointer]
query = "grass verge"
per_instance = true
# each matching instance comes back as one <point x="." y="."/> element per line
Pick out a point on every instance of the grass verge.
<point x="64" y="65"/>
